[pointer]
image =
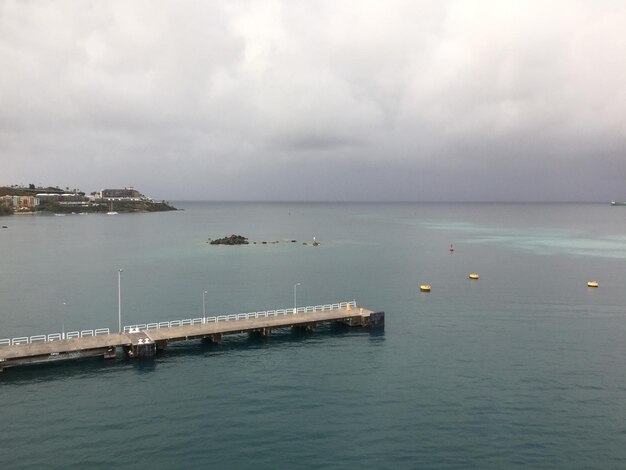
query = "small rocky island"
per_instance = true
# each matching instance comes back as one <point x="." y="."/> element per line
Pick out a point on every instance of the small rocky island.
<point x="232" y="240"/>
<point x="241" y="240"/>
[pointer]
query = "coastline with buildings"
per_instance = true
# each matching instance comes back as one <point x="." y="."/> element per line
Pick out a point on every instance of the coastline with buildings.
<point x="53" y="199"/>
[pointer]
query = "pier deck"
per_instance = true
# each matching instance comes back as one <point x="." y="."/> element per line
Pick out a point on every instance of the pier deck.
<point x="145" y="340"/>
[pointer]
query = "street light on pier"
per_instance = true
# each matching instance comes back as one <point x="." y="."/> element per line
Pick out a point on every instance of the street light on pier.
<point x="204" y="304"/>
<point x="63" y="320"/>
<point x="295" y="298"/>
<point x="119" y="299"/>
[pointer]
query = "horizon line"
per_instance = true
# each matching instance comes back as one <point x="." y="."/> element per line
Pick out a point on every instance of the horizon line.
<point x="286" y="201"/>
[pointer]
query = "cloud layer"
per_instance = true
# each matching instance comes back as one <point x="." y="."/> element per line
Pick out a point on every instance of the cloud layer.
<point x="324" y="100"/>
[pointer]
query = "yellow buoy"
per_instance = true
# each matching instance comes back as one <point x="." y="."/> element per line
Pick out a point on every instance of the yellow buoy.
<point x="473" y="276"/>
<point x="425" y="287"/>
<point x="592" y="284"/>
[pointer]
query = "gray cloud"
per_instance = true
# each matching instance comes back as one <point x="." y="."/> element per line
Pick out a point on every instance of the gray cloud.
<point x="446" y="100"/>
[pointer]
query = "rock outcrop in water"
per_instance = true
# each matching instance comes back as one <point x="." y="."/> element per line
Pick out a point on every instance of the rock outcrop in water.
<point x="232" y="240"/>
<point x="241" y="240"/>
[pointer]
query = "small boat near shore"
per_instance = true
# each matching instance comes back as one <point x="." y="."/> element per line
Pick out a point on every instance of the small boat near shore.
<point x="111" y="211"/>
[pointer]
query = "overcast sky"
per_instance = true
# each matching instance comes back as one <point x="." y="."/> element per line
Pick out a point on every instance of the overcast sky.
<point x="317" y="100"/>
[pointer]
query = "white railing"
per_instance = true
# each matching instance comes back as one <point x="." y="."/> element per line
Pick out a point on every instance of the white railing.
<point x="53" y="337"/>
<point x="238" y="316"/>
<point x="175" y="323"/>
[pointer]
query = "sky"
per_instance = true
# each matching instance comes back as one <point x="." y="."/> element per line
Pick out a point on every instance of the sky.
<point x="325" y="100"/>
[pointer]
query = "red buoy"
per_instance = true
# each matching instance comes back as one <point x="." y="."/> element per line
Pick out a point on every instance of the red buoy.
<point x="451" y="247"/>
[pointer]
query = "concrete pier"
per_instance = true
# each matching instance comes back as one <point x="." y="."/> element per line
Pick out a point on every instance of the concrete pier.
<point x="144" y="341"/>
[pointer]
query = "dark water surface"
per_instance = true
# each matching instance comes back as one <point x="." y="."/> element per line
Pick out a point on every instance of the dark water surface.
<point x="525" y="367"/>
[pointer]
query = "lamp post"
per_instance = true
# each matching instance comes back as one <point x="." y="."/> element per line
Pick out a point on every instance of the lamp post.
<point x="295" y="298"/>
<point x="63" y="321"/>
<point x="204" y="304"/>
<point x="119" y="299"/>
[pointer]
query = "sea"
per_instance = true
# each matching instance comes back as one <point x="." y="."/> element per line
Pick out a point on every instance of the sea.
<point x="522" y="368"/>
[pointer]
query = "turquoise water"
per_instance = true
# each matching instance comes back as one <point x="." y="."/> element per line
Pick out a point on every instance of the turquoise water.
<point x="522" y="368"/>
